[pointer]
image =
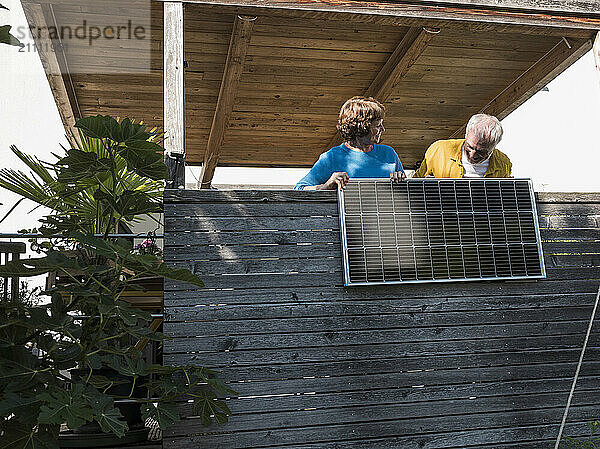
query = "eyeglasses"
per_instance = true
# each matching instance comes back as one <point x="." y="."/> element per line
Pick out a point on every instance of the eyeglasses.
<point x="479" y="151"/>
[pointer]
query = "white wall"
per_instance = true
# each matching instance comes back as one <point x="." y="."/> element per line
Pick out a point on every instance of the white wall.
<point x="30" y="118"/>
<point x="553" y="137"/>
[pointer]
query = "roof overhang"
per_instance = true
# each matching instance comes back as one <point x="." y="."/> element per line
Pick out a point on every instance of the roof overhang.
<point x="433" y="63"/>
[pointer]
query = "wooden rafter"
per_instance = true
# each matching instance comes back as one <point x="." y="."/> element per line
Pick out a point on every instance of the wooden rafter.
<point x="396" y="67"/>
<point x="48" y="51"/>
<point x="236" y="56"/>
<point x="552" y="64"/>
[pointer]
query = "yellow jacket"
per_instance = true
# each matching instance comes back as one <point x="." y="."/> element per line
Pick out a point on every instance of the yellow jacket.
<point x="443" y="160"/>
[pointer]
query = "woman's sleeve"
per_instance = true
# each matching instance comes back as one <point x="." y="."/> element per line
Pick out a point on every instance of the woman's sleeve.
<point x="399" y="166"/>
<point x="318" y="174"/>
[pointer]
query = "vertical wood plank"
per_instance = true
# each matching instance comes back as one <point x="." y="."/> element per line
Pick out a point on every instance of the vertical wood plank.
<point x="15" y="280"/>
<point x="174" y="101"/>
<point x="236" y="57"/>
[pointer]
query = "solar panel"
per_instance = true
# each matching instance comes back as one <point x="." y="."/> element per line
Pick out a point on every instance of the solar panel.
<point x="439" y="230"/>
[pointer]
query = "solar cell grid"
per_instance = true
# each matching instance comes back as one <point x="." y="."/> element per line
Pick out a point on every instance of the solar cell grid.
<point x="432" y="230"/>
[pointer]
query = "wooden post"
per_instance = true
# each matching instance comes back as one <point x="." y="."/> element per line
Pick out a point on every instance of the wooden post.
<point x="236" y="57"/>
<point x="396" y="67"/>
<point x="174" y="98"/>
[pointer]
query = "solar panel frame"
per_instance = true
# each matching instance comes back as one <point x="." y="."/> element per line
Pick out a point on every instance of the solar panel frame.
<point x="449" y="209"/>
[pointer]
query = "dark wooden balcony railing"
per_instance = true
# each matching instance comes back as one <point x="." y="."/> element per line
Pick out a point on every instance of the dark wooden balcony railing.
<point x="11" y="251"/>
<point x="318" y="365"/>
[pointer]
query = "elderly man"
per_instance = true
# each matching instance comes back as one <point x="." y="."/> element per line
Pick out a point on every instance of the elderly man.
<point x="475" y="156"/>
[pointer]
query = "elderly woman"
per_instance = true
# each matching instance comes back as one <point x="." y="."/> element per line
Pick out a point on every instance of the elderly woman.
<point x="360" y="156"/>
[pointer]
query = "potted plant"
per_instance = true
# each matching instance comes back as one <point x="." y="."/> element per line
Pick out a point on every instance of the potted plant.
<point x="114" y="176"/>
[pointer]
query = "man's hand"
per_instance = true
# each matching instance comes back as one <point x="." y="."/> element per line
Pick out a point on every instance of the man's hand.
<point x="339" y="178"/>
<point x="397" y="176"/>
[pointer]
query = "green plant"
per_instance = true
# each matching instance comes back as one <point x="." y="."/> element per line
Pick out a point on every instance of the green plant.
<point x="27" y="295"/>
<point x="592" y="441"/>
<point x="148" y="246"/>
<point x="114" y="176"/>
<point x="5" y="36"/>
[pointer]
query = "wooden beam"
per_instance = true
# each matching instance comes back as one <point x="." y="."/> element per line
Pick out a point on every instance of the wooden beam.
<point x="401" y="60"/>
<point x="234" y="65"/>
<point x="552" y="64"/>
<point x="396" y="67"/>
<point x="577" y="7"/>
<point x="416" y="9"/>
<point x="48" y="51"/>
<point x="561" y="6"/>
<point x="173" y="88"/>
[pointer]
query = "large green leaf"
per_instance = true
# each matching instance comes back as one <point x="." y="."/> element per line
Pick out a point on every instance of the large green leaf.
<point x="78" y="165"/>
<point x="128" y="131"/>
<point x="123" y="310"/>
<point x="206" y="404"/>
<point x="64" y="406"/>
<point x="17" y="436"/>
<point x="66" y="356"/>
<point x="129" y="367"/>
<point x="138" y="263"/>
<point x="165" y="413"/>
<point x="177" y="274"/>
<point x="39" y="265"/>
<point x="18" y="369"/>
<point x="100" y="246"/>
<point x="105" y="413"/>
<point x="100" y="382"/>
<point x="13" y="403"/>
<point x="97" y="126"/>
<point x="145" y="158"/>
<point x="7" y="38"/>
<point x="132" y="203"/>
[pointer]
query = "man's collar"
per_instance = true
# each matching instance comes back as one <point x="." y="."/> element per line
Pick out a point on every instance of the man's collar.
<point x="457" y="153"/>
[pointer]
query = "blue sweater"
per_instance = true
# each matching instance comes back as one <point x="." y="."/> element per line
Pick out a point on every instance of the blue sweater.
<point x="377" y="163"/>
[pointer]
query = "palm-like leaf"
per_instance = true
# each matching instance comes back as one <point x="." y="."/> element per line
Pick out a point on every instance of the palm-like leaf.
<point x="42" y="186"/>
<point x="37" y="187"/>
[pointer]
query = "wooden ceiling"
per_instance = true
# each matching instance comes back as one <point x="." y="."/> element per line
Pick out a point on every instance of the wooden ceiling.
<point x="432" y="75"/>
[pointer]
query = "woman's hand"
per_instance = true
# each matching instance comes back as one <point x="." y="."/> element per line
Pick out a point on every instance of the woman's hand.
<point x="397" y="176"/>
<point x="339" y="178"/>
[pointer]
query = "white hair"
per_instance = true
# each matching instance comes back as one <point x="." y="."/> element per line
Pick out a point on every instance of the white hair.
<point x="486" y="128"/>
